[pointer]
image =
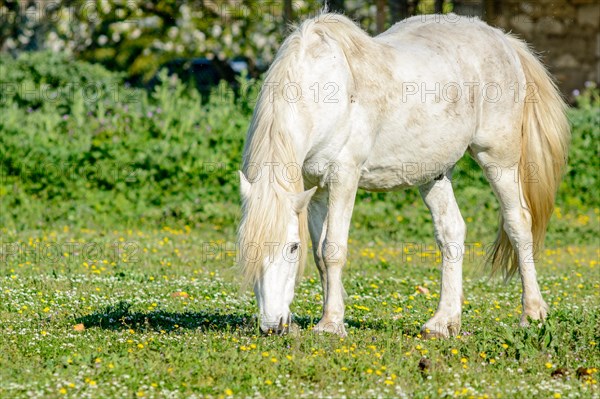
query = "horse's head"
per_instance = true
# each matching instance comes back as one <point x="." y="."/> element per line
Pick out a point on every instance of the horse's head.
<point x="272" y="246"/>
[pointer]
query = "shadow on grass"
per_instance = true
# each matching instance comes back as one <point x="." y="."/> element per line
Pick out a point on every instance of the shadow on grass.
<point x="307" y="323"/>
<point x="120" y="316"/>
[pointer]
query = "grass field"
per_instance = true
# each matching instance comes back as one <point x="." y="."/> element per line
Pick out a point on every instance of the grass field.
<point x="158" y="313"/>
<point x="118" y="278"/>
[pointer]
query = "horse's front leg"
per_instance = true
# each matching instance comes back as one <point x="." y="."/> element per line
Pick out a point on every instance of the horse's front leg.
<point x="334" y="249"/>
<point x="450" y="231"/>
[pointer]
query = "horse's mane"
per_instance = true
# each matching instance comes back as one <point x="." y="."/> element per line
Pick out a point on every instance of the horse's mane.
<point x="265" y="215"/>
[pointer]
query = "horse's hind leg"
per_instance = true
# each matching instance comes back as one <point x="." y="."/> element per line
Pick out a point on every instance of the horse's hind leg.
<point x="517" y="225"/>
<point x="450" y="231"/>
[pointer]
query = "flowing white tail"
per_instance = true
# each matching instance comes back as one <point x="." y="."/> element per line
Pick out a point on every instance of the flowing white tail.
<point x="544" y="150"/>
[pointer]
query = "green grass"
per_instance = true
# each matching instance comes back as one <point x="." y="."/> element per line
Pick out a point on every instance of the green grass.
<point x="92" y="305"/>
<point x="142" y="337"/>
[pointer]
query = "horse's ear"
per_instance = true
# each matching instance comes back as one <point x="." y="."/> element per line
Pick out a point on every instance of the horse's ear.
<point x="245" y="185"/>
<point x="300" y="201"/>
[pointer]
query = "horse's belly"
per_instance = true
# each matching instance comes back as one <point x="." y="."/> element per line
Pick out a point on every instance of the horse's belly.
<point x="404" y="160"/>
<point x="399" y="176"/>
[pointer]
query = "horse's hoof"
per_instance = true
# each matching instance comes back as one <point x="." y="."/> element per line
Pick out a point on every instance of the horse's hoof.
<point x="436" y="328"/>
<point x="428" y="334"/>
<point x="537" y="312"/>
<point x="330" y="327"/>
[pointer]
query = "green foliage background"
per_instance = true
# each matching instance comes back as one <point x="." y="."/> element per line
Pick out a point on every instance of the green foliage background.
<point x="80" y="147"/>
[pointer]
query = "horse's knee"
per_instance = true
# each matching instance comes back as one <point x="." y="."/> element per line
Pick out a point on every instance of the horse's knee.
<point x="517" y="224"/>
<point x="459" y="230"/>
<point x="452" y="231"/>
<point x="334" y="254"/>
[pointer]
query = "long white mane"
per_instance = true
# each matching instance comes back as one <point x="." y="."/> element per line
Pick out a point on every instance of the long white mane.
<point x="264" y="215"/>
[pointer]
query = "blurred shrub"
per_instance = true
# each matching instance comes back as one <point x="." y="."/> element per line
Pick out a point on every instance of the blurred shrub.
<point x="44" y="78"/>
<point x="581" y="186"/>
<point x="138" y="36"/>
<point x="119" y="155"/>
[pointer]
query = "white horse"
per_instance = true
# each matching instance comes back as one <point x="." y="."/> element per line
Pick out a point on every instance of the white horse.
<point x="340" y="110"/>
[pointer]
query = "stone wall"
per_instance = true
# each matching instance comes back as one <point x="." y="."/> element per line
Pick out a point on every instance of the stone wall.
<point x="565" y="32"/>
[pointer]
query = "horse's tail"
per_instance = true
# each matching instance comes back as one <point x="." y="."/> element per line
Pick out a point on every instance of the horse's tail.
<point x="544" y="149"/>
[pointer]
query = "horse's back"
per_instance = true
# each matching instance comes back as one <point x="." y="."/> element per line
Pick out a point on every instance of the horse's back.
<point x="477" y="56"/>
<point x="451" y="39"/>
<point x="455" y="76"/>
<point x="447" y="29"/>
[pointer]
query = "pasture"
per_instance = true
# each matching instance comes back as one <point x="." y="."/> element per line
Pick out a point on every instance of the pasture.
<point x="167" y="323"/>
<point x="118" y="273"/>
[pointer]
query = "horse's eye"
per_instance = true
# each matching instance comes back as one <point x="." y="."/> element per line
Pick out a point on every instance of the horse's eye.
<point x="294" y="247"/>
